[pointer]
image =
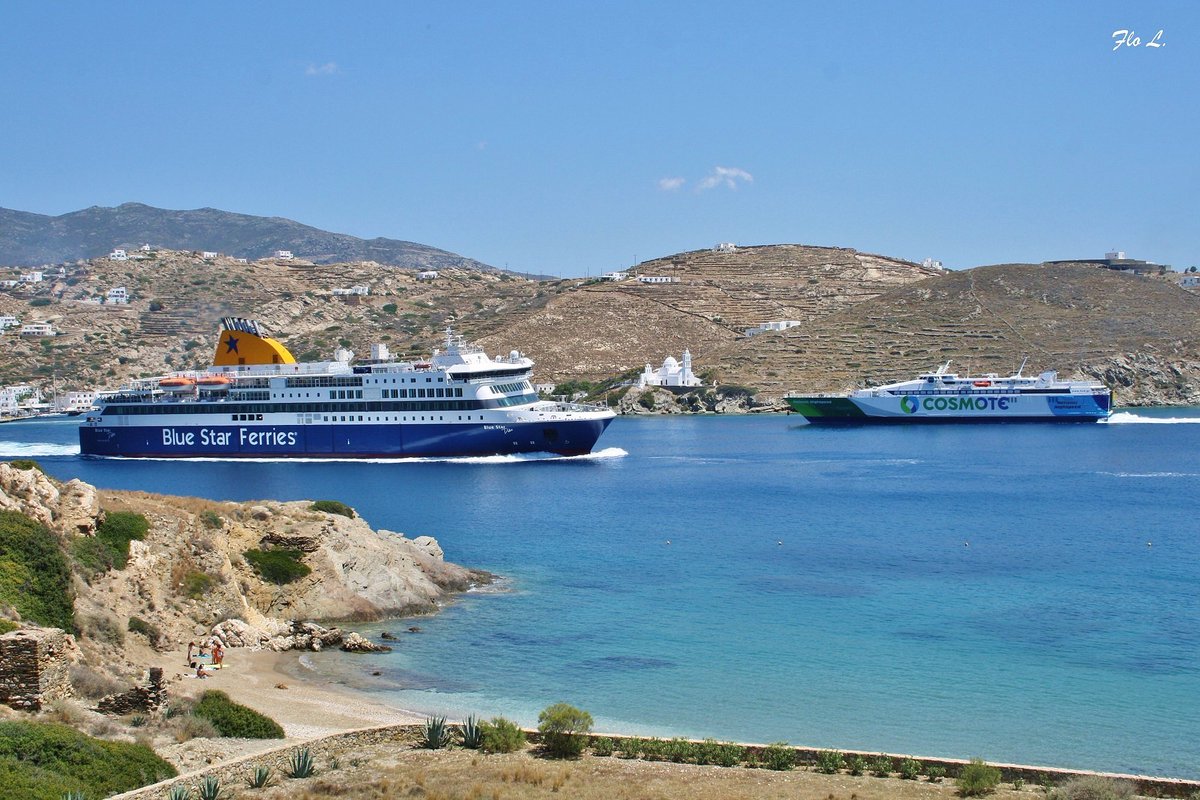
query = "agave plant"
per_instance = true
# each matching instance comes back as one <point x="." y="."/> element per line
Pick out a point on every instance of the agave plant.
<point x="209" y="788"/>
<point x="260" y="778"/>
<point x="472" y="733"/>
<point x="436" y="735"/>
<point x="301" y="764"/>
<point x="179" y="792"/>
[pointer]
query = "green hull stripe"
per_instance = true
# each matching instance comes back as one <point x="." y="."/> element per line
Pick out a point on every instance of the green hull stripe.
<point x="839" y="407"/>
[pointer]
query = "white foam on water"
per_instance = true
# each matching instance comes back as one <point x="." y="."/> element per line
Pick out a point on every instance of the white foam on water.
<point x="521" y="458"/>
<point x="29" y="449"/>
<point x="1152" y="474"/>
<point x="1129" y="418"/>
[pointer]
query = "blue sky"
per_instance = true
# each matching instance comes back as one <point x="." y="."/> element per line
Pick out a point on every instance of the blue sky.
<point x="571" y="138"/>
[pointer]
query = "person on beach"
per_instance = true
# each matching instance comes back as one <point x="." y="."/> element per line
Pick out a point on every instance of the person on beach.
<point x="201" y="672"/>
<point x="218" y="654"/>
<point x="191" y="647"/>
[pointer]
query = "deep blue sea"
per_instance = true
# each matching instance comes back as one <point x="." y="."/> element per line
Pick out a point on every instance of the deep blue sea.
<point x="1023" y="593"/>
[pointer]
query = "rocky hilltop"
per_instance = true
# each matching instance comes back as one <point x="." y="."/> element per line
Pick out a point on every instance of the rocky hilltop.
<point x="31" y="239"/>
<point x="863" y="319"/>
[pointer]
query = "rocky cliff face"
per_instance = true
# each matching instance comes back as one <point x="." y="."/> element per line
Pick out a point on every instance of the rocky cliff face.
<point x="190" y="571"/>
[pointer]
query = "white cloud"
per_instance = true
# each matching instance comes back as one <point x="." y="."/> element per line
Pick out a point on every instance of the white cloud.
<point x="729" y="177"/>
<point x="671" y="184"/>
<point x="328" y="68"/>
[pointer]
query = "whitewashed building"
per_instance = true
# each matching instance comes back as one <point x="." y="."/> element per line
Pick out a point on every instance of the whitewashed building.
<point x="9" y="284"/>
<point x="209" y="254"/>
<point x="614" y="276"/>
<point x="14" y="399"/>
<point x="145" y="248"/>
<point x="283" y="255"/>
<point x="8" y="321"/>
<point x="724" y="247"/>
<point x="118" y="255"/>
<point x="657" y="279"/>
<point x="37" y="276"/>
<point x="544" y="388"/>
<point x="671" y="373"/>
<point x="117" y="296"/>
<point x="932" y="264"/>
<point x="359" y="291"/>
<point x="427" y="275"/>
<point x="777" y="325"/>
<point x="1189" y="281"/>
<point x="38" y="329"/>
<point x="73" y="402"/>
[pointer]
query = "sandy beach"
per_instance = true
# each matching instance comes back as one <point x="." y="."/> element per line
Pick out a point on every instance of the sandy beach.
<point x="273" y="684"/>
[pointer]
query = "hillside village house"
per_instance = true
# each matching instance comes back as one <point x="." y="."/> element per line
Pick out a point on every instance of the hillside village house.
<point x="724" y="247"/>
<point x="779" y="325"/>
<point x="73" y="402"/>
<point x="33" y="277"/>
<point x="614" y="276"/>
<point x="932" y="264"/>
<point x="117" y="296"/>
<point x="118" y="255"/>
<point x="1189" y="281"/>
<point x="427" y="275"/>
<point x="15" y="399"/>
<point x="360" y="291"/>
<point x="38" y="329"/>
<point x="283" y="255"/>
<point x="209" y="254"/>
<point x="9" y="284"/>
<point x="671" y="373"/>
<point x="657" y="279"/>
<point x="145" y="248"/>
<point x="8" y="321"/>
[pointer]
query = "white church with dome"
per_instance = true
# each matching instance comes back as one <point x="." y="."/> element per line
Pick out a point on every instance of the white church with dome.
<point x="671" y="373"/>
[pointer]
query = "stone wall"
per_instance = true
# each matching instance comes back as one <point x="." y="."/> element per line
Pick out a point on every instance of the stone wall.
<point x="143" y="699"/>
<point x="34" y="667"/>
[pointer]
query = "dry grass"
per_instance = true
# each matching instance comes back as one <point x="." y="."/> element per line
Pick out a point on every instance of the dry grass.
<point x="386" y="772"/>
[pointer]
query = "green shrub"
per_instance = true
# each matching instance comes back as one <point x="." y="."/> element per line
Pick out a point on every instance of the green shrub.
<point x="729" y="754"/>
<point x="935" y="773"/>
<point x="211" y="519"/>
<point x="34" y="578"/>
<point x="39" y="302"/>
<point x="1093" y="787"/>
<point x="881" y="766"/>
<point x="654" y="749"/>
<point x="977" y="778"/>
<point x="564" y="730"/>
<point x="7" y="625"/>
<point x="501" y="736"/>
<point x="830" y="762"/>
<point x="109" y="548"/>
<point x="679" y="751"/>
<point x="42" y="761"/>
<point x="602" y="746"/>
<point x="778" y="756"/>
<point x="277" y="566"/>
<point x="856" y="765"/>
<point x="389" y="308"/>
<point x="26" y="464"/>
<point x="630" y="747"/>
<point x="647" y="401"/>
<point x="332" y="507"/>
<point x="196" y="584"/>
<point x="147" y="629"/>
<point x="233" y="719"/>
<point x="910" y="768"/>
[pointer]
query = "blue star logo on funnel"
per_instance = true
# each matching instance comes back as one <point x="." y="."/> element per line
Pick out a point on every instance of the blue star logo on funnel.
<point x="908" y="405"/>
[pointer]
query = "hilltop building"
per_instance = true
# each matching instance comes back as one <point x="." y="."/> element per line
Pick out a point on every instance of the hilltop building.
<point x="118" y="255"/>
<point x="1187" y="282"/>
<point x="1116" y="260"/>
<point x="36" y="276"/>
<point x="117" y="296"/>
<point x="766" y="327"/>
<point x="38" y="329"/>
<point x="614" y="276"/>
<point x="657" y="279"/>
<point x="932" y="264"/>
<point x="283" y="255"/>
<point x="671" y="373"/>
<point x="724" y="247"/>
<point x="209" y="254"/>
<point x="145" y="248"/>
<point x="427" y="275"/>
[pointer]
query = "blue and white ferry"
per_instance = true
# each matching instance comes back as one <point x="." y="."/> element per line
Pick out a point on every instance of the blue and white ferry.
<point x="257" y="401"/>
<point x="943" y="396"/>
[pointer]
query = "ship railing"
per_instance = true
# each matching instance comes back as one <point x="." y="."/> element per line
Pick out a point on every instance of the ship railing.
<point x="562" y="407"/>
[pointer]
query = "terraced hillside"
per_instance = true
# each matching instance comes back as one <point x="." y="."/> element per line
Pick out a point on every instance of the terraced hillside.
<point x="1140" y="335"/>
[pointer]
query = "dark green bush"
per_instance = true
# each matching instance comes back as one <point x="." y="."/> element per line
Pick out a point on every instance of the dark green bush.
<point x="630" y="747"/>
<point x="564" y="730"/>
<point x="778" y="756"/>
<point x="830" y="762"/>
<point x="647" y="401"/>
<point x="41" y="761"/>
<point x="211" y="519"/>
<point x="26" y="464"/>
<point x="39" y="302"/>
<point x="277" y="566"/>
<point x="196" y="584"/>
<point x="147" y="629"/>
<point x="881" y="766"/>
<point x="856" y="765"/>
<point x="34" y="578"/>
<point x="332" y="507"/>
<point x="910" y="768"/>
<point x="978" y="778"/>
<point x="501" y="736"/>
<point x="602" y="746"/>
<point x="233" y="719"/>
<point x="935" y="773"/>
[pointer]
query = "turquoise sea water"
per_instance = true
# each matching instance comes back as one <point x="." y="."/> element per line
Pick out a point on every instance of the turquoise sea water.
<point x="1018" y="592"/>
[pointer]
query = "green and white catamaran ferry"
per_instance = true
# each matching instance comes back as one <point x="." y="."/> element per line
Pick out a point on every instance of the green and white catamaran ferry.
<point x="943" y="396"/>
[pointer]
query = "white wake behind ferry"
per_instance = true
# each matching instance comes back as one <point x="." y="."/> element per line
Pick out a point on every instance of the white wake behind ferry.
<point x="257" y="401"/>
<point x="943" y="396"/>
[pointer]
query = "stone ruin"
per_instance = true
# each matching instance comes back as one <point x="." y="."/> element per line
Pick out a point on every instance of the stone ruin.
<point x="35" y="667"/>
<point x="140" y="699"/>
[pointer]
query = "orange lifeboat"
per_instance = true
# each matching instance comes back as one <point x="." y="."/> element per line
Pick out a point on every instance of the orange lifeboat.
<point x="214" y="382"/>
<point x="981" y="384"/>
<point x="177" y="383"/>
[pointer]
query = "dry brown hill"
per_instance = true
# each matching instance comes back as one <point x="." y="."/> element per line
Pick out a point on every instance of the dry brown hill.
<point x="865" y="318"/>
<point x="1140" y="335"/>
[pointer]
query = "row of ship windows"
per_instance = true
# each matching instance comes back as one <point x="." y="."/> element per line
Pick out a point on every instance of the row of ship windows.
<point x="316" y="383"/>
<point x="318" y="408"/>
<point x="310" y="418"/>
<point x="356" y="394"/>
